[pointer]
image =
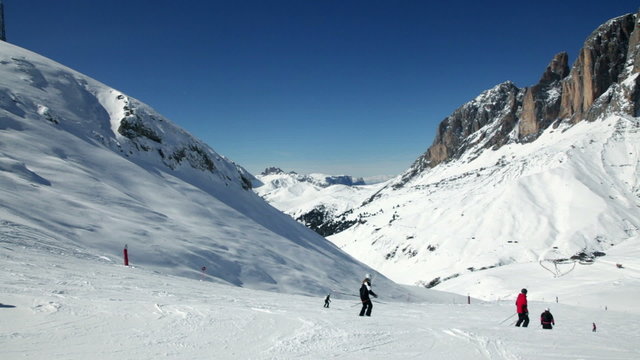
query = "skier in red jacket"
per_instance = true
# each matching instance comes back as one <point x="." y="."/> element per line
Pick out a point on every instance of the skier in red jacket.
<point x="521" y="308"/>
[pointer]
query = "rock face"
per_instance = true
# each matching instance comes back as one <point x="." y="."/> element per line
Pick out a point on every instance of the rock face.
<point x="541" y="102"/>
<point x="495" y="111"/>
<point x="272" y="171"/>
<point x="600" y="63"/>
<point x="504" y="114"/>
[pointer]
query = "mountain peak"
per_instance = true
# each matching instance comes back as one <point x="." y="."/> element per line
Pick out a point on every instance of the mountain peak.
<point x="506" y="114"/>
<point x="272" y="171"/>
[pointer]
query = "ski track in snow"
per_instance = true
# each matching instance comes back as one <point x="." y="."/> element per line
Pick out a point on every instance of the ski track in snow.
<point x="102" y="310"/>
<point x="490" y="348"/>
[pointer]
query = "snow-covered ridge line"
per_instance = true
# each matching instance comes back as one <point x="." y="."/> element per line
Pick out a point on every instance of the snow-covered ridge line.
<point x="86" y="170"/>
<point x="65" y="94"/>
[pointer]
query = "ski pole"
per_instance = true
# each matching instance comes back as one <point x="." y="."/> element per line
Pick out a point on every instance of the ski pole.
<point x="514" y="314"/>
<point x="341" y="293"/>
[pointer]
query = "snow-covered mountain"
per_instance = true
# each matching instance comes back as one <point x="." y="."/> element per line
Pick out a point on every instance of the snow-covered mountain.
<point x="517" y="175"/>
<point x="86" y="170"/>
<point x="321" y="180"/>
<point x="312" y="199"/>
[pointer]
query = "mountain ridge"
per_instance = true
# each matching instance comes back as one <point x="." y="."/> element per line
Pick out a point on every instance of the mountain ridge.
<point x="86" y="170"/>
<point x="601" y="62"/>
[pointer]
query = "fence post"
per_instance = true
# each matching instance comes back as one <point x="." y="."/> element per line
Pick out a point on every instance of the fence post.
<point x="126" y="256"/>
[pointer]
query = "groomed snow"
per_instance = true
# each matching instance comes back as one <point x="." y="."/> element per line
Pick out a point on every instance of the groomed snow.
<point x="66" y="307"/>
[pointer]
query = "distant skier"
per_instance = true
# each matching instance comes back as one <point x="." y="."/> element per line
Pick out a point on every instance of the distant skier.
<point x="546" y="319"/>
<point x="327" y="301"/>
<point x="594" y="327"/>
<point x="521" y="307"/>
<point x="365" y="290"/>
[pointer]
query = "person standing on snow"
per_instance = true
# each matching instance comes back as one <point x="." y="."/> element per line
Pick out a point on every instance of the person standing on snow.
<point x="327" y="301"/>
<point x="546" y="319"/>
<point x="521" y="308"/>
<point x="365" y="290"/>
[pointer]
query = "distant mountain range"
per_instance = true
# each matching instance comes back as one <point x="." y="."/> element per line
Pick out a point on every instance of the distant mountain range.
<point x="312" y="199"/>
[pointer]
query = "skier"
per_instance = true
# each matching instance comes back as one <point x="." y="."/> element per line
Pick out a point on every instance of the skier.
<point x="546" y="319"/>
<point x="594" y="327"/>
<point x="327" y="301"/>
<point x="521" y="307"/>
<point x="365" y="290"/>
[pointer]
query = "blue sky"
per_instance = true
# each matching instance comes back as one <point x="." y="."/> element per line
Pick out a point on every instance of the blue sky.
<point x="339" y="87"/>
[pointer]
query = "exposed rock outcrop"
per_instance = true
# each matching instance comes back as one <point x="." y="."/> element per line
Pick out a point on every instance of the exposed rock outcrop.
<point x="600" y="81"/>
<point x="455" y="132"/>
<point x="599" y="65"/>
<point x="541" y="102"/>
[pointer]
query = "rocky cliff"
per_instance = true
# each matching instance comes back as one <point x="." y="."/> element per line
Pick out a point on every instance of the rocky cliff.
<point x="505" y="114"/>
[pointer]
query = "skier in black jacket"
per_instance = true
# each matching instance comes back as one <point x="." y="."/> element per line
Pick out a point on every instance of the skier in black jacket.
<point x="327" y="300"/>
<point x="546" y="319"/>
<point x="365" y="290"/>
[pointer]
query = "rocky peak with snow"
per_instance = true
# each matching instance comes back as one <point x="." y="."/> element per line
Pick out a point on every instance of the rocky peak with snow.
<point x="272" y="171"/>
<point x="507" y="114"/>
<point x="601" y="64"/>
<point x="541" y="102"/>
<point x="487" y="119"/>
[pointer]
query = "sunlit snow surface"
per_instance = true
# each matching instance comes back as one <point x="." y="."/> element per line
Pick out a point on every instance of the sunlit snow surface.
<point x="574" y="189"/>
<point x="71" y="182"/>
<point x="66" y="307"/>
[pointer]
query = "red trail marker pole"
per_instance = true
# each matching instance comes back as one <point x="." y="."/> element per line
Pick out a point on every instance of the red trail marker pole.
<point x="126" y="256"/>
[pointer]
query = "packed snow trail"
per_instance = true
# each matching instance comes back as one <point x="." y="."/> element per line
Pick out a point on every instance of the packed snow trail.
<point x="73" y="308"/>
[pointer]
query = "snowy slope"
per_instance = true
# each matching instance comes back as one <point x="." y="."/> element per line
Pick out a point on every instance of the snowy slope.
<point x="85" y="169"/>
<point x="574" y="189"/>
<point x="65" y="307"/>
<point x="600" y="285"/>
<point x="485" y="196"/>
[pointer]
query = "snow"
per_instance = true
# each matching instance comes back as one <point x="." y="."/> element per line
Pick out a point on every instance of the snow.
<point x="67" y="307"/>
<point x="297" y="195"/>
<point x="575" y="188"/>
<point x="70" y="181"/>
